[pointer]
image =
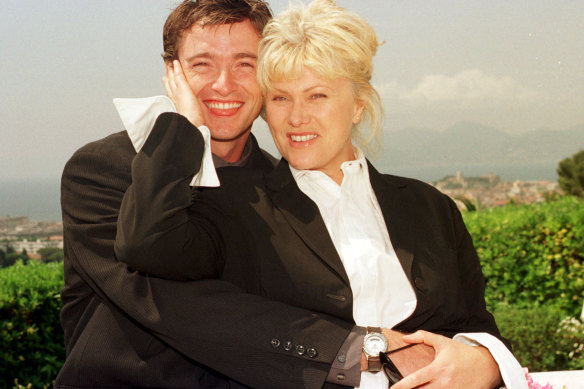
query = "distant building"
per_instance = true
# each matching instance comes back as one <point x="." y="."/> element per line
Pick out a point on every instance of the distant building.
<point x="33" y="247"/>
<point x="490" y="191"/>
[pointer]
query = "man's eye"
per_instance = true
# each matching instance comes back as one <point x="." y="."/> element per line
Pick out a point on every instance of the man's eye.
<point x="278" y="98"/>
<point x="200" y="64"/>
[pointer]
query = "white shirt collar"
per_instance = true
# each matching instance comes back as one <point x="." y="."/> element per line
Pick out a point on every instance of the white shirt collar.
<point x="315" y="174"/>
<point x="139" y="115"/>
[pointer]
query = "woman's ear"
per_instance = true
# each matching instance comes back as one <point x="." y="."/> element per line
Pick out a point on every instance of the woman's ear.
<point x="358" y="111"/>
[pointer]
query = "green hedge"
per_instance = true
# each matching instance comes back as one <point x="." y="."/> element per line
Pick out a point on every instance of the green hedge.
<point x="31" y="339"/>
<point x="533" y="260"/>
<point x="532" y="255"/>
<point x="543" y="338"/>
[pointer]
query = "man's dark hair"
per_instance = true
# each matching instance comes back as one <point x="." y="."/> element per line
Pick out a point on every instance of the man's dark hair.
<point x="210" y="12"/>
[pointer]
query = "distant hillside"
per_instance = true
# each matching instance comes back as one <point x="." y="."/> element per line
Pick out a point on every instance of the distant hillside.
<point x="475" y="150"/>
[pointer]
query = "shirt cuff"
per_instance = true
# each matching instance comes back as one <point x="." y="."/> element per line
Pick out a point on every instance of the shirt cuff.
<point x="207" y="176"/>
<point x="510" y="368"/>
<point x="346" y="368"/>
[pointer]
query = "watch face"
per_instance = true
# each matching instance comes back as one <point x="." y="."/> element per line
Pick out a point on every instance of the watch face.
<point x="373" y="344"/>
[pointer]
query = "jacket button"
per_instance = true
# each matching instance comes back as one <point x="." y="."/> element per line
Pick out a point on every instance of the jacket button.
<point x="342" y="358"/>
<point x="311" y="353"/>
<point x="275" y="343"/>
<point x="420" y="284"/>
<point x="288" y="346"/>
<point x="300" y="350"/>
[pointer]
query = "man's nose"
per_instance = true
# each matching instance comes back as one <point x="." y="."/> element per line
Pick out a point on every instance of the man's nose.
<point x="224" y="83"/>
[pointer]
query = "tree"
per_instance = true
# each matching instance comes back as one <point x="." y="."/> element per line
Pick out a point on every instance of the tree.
<point x="571" y="174"/>
<point x="51" y="254"/>
<point x="10" y="257"/>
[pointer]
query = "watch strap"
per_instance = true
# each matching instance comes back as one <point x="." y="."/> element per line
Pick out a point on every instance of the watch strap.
<point x="374" y="329"/>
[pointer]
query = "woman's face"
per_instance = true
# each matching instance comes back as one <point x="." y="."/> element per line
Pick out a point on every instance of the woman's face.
<point x="311" y="118"/>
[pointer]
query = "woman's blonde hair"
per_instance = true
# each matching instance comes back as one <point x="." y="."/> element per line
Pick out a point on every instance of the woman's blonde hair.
<point x="333" y="43"/>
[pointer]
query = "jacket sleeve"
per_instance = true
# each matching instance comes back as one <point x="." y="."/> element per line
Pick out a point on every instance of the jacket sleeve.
<point x="156" y="233"/>
<point x="212" y="322"/>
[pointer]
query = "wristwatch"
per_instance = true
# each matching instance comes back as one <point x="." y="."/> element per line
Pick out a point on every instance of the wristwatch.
<point x="373" y="344"/>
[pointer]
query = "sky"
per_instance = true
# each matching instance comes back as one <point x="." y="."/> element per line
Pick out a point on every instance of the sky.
<point x="516" y="65"/>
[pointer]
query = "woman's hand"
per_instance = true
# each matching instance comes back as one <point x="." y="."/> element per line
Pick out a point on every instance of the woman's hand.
<point x="456" y="365"/>
<point x="181" y="94"/>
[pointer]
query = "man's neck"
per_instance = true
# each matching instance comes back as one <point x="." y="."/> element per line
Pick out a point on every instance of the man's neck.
<point x="229" y="151"/>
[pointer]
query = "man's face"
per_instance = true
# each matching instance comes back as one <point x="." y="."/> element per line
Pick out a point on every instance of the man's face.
<point x="219" y="63"/>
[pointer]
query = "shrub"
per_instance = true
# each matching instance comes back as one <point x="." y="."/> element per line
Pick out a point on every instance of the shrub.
<point x="543" y="338"/>
<point x="532" y="255"/>
<point x="571" y="174"/>
<point x="31" y="339"/>
<point x="51" y="254"/>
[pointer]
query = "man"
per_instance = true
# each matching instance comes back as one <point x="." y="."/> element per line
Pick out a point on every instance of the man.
<point x="120" y="325"/>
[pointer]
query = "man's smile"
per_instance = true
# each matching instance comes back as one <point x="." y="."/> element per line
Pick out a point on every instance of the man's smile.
<point x="223" y="108"/>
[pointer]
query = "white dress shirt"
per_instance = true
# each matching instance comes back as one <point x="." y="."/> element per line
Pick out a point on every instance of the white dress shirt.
<point x="382" y="293"/>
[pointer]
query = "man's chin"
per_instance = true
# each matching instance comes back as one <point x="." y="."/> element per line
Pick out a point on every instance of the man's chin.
<point x="228" y="134"/>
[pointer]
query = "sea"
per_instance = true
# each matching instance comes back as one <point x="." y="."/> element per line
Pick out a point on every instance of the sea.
<point x="38" y="198"/>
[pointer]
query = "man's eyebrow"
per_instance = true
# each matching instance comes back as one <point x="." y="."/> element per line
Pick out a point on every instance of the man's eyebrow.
<point x="245" y="55"/>
<point x="207" y="55"/>
<point x="199" y="55"/>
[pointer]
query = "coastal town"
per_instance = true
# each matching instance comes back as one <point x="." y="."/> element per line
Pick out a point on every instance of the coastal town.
<point x="24" y="235"/>
<point x="488" y="191"/>
<point x="469" y="193"/>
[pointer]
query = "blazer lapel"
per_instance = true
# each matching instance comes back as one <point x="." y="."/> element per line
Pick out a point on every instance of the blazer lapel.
<point x="394" y="201"/>
<point x="303" y="216"/>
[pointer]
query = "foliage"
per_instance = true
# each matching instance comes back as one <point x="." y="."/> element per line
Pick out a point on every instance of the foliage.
<point x="571" y="174"/>
<point x="543" y="338"/>
<point x="10" y="257"/>
<point x="532" y="255"/>
<point x="31" y="339"/>
<point x="51" y="254"/>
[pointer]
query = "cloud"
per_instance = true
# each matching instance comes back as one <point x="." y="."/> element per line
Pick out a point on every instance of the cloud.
<point x="438" y="101"/>
<point x="467" y="87"/>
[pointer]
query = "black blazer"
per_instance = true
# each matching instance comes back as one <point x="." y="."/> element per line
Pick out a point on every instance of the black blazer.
<point x="125" y="329"/>
<point x="259" y="231"/>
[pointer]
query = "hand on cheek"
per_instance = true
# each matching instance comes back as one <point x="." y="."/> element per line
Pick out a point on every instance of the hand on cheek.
<point x="181" y="94"/>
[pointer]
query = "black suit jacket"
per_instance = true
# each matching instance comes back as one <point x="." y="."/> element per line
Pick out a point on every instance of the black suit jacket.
<point x="259" y="231"/>
<point x="125" y="329"/>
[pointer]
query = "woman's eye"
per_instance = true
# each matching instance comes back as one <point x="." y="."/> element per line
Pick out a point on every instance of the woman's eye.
<point x="278" y="98"/>
<point x="318" y="96"/>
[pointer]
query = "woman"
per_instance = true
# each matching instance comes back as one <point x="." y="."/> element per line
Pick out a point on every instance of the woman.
<point x="324" y="231"/>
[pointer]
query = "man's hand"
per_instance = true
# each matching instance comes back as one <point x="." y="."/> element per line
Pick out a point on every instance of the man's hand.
<point x="456" y="365"/>
<point x="181" y="94"/>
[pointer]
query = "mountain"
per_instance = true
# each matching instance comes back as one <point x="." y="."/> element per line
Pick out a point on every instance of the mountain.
<point x="475" y="149"/>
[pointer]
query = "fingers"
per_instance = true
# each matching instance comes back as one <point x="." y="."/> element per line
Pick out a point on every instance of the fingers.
<point x="420" y="378"/>
<point x="174" y="78"/>
<point x="168" y="80"/>
<point x="179" y="91"/>
<point x="419" y="336"/>
<point x="425" y="337"/>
